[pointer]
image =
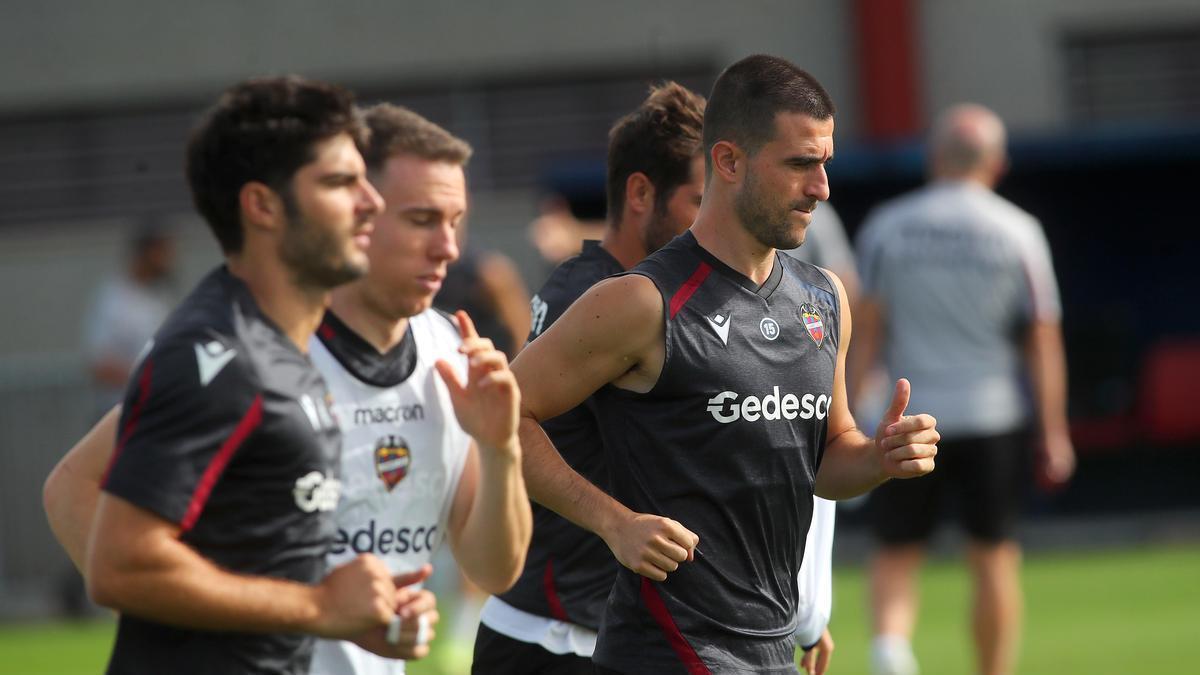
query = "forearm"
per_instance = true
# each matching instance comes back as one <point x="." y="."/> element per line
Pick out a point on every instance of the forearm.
<point x="493" y="540"/>
<point x="169" y="582"/>
<point x="73" y="487"/>
<point x="850" y="467"/>
<point x="70" y="502"/>
<point x="1048" y="377"/>
<point x="554" y="484"/>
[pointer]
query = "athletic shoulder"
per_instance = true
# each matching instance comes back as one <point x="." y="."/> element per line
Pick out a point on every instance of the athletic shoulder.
<point x="671" y="266"/>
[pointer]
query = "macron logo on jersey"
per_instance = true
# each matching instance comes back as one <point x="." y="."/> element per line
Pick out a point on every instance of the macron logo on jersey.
<point x="726" y="408"/>
<point x="720" y="324"/>
<point x="211" y="358"/>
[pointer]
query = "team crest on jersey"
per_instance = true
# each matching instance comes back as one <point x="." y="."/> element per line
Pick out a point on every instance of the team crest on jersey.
<point x="813" y="323"/>
<point x="392" y="460"/>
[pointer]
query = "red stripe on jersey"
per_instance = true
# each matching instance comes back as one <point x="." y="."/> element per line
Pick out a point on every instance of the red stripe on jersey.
<point x="249" y="423"/>
<point x="683" y="649"/>
<point x="688" y="289"/>
<point x="556" y="608"/>
<point x="132" y="420"/>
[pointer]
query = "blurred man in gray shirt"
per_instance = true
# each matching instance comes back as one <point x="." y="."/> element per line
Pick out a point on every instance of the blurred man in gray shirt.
<point x="959" y="296"/>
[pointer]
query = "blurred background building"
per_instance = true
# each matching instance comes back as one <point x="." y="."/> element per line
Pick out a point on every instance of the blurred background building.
<point x="1102" y="99"/>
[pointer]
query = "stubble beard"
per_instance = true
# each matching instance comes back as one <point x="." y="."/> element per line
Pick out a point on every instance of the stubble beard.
<point x="768" y="224"/>
<point x="314" y="254"/>
<point x="660" y="230"/>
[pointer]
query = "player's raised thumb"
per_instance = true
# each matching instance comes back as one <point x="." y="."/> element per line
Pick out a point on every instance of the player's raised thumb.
<point x="899" y="402"/>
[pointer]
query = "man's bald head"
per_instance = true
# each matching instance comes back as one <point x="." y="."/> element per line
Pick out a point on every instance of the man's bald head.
<point x="968" y="141"/>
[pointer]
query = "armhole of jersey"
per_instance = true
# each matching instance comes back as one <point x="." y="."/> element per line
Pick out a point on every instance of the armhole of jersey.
<point x="837" y="300"/>
<point x="666" y="307"/>
<point x="448" y="317"/>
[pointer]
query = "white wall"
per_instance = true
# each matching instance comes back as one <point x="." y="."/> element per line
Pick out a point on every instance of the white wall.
<point x="1006" y="54"/>
<point x="60" y="52"/>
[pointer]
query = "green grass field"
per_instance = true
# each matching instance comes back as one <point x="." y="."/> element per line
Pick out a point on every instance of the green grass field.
<point x="1132" y="611"/>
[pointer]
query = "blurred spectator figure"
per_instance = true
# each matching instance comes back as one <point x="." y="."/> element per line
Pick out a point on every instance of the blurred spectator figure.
<point x="959" y="295"/>
<point x="557" y="233"/>
<point x="487" y="286"/>
<point x="127" y="310"/>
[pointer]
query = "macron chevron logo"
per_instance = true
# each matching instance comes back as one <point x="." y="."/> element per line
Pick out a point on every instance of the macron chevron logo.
<point x="720" y="324"/>
<point x="211" y="358"/>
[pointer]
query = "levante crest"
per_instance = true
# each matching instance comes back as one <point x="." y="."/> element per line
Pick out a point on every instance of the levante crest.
<point x="392" y="460"/>
<point x="813" y="323"/>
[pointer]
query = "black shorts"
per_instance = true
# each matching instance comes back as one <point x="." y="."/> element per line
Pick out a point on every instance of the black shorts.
<point x="498" y="654"/>
<point x="987" y="476"/>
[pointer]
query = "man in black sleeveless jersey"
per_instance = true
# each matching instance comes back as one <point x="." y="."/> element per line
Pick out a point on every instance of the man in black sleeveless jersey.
<point x="717" y="369"/>
<point x="210" y="534"/>
<point x="547" y="623"/>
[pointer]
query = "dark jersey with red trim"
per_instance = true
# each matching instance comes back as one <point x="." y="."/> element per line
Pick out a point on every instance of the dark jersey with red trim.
<point x="568" y="570"/>
<point x="728" y="443"/>
<point x="227" y="432"/>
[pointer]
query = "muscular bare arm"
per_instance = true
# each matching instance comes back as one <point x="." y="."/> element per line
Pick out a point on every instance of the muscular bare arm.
<point x="137" y="564"/>
<point x="612" y="334"/>
<point x="903" y="447"/>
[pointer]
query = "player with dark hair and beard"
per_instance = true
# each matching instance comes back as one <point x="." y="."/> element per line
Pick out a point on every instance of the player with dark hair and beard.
<point x="209" y="527"/>
<point x="716" y="367"/>
<point x="547" y="623"/>
<point x="427" y="408"/>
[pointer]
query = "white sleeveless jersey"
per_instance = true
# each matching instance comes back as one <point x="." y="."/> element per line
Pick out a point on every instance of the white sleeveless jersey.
<point x="402" y="456"/>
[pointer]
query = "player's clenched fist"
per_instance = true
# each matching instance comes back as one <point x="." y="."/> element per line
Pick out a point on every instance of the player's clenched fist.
<point x="355" y="597"/>
<point x="908" y="442"/>
<point x="652" y="546"/>
<point x="411" y="628"/>
<point x="487" y="404"/>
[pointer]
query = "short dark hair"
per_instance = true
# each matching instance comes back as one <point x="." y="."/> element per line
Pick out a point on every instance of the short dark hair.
<point x="749" y="94"/>
<point x="396" y="130"/>
<point x="261" y="130"/>
<point x="659" y="139"/>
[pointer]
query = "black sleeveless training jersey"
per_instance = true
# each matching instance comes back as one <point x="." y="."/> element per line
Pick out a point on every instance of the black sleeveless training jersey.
<point x="569" y="570"/>
<point x="228" y="433"/>
<point x="727" y="443"/>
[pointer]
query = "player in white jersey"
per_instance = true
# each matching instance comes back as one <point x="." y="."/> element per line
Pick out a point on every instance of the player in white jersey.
<point x="412" y="476"/>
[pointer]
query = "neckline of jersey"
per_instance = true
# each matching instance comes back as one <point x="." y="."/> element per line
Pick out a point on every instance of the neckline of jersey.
<point x="242" y="292"/>
<point x="362" y="360"/>
<point x="593" y="249"/>
<point x="764" y="291"/>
